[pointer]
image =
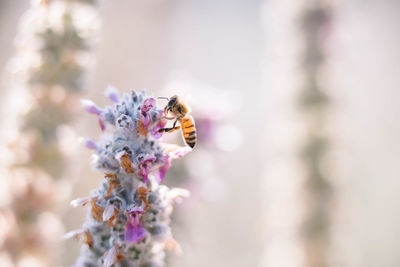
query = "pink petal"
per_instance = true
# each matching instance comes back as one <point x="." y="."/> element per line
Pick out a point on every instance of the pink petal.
<point x="101" y="123"/>
<point x="88" y="142"/>
<point x="144" y="167"/>
<point x="134" y="232"/>
<point x="136" y="210"/>
<point x="148" y="104"/>
<point x="112" y="94"/>
<point x="91" y="107"/>
<point x="180" y="152"/>
<point x="160" y="174"/>
<point x="145" y="177"/>
<point x="159" y="125"/>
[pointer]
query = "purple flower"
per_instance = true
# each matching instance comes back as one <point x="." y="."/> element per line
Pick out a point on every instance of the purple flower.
<point x="91" y="107"/>
<point x="179" y="152"/>
<point x="145" y="116"/>
<point x="160" y="174"/>
<point x="112" y="94"/>
<point x="101" y="123"/>
<point x="134" y="232"/>
<point x="148" y="104"/>
<point x="136" y="210"/>
<point x="144" y="167"/>
<point x="159" y="125"/>
<point x="88" y="142"/>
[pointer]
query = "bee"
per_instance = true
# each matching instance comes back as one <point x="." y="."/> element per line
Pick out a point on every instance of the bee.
<point x="181" y="114"/>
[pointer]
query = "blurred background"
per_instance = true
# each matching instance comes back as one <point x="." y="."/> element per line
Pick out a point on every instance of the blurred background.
<point x="296" y="105"/>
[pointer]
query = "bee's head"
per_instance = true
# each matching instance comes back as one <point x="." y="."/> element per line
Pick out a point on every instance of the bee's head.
<point x="172" y="101"/>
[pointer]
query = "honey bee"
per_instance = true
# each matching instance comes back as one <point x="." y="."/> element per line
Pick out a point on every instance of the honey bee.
<point x="180" y="113"/>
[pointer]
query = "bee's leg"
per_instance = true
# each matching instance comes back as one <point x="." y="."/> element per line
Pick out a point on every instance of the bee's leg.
<point x="173" y="126"/>
<point x="170" y="130"/>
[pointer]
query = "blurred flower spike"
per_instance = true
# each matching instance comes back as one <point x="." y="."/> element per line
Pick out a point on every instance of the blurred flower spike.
<point x="54" y="52"/>
<point x="130" y="212"/>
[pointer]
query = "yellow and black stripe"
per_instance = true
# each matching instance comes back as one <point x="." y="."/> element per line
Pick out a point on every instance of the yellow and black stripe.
<point x="188" y="130"/>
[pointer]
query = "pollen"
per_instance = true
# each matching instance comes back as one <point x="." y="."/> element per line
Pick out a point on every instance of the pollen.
<point x="112" y="183"/>
<point x="85" y="237"/>
<point x="141" y="128"/>
<point x="142" y="195"/>
<point x="96" y="211"/>
<point x="111" y="221"/>
<point x="126" y="164"/>
<point x="120" y="257"/>
<point x="88" y="239"/>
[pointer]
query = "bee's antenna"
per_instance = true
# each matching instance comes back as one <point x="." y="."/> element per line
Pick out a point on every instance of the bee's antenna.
<point x="163" y="97"/>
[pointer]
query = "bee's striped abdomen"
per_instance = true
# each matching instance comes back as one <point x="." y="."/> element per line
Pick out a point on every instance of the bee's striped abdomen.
<point x="188" y="130"/>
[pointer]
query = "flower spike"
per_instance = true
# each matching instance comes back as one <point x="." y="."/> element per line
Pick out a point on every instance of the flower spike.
<point x="130" y="213"/>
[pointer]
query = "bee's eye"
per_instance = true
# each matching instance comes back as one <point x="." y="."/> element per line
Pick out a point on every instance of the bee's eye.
<point x="171" y="102"/>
